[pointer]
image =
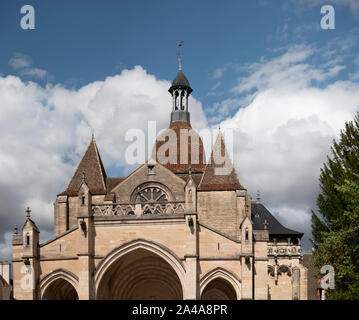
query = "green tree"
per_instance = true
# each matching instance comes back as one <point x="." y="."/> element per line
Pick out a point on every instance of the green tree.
<point x="336" y="230"/>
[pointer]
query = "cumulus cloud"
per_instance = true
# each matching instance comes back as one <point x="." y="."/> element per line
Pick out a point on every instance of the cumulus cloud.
<point x="45" y="131"/>
<point x="293" y="109"/>
<point x="285" y="132"/>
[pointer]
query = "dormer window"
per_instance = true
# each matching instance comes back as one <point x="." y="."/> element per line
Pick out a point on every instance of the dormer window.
<point x="247" y="234"/>
<point x="27" y="239"/>
<point x="83" y="200"/>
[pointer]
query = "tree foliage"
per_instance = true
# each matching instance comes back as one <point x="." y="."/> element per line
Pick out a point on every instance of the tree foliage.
<point x="336" y="229"/>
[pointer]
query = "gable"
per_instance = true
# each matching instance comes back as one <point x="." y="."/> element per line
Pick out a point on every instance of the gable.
<point x="160" y="175"/>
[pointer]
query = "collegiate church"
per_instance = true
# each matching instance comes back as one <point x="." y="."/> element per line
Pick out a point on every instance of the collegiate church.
<point x="169" y="230"/>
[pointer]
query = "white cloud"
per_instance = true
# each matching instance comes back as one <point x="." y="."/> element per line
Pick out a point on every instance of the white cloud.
<point x="23" y="64"/>
<point x="289" y="71"/>
<point x="45" y="130"/>
<point x="20" y="61"/>
<point x="284" y="134"/>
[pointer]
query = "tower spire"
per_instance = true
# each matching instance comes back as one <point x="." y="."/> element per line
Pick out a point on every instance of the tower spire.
<point x="180" y="55"/>
<point x="180" y="91"/>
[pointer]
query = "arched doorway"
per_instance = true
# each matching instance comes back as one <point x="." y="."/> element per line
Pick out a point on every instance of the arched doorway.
<point x="139" y="274"/>
<point x="219" y="289"/>
<point x="60" y="289"/>
<point x="220" y="284"/>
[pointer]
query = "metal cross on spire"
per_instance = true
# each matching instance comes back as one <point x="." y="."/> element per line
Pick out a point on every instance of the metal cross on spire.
<point x="180" y="55"/>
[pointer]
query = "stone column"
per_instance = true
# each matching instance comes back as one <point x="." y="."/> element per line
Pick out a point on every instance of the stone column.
<point x="295" y="283"/>
<point x="261" y="238"/>
<point x="247" y="258"/>
<point x="61" y="215"/>
<point x="190" y="290"/>
<point x="85" y="245"/>
<point x="303" y="290"/>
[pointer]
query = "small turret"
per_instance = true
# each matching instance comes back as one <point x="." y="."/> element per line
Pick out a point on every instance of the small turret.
<point x="30" y="234"/>
<point x="180" y="91"/>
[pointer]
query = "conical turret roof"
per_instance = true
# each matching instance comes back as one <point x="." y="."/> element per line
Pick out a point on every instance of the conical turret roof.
<point x="219" y="175"/>
<point x="92" y="170"/>
<point x="180" y="81"/>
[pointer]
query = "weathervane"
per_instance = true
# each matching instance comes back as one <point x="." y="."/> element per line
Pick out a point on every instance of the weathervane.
<point x="180" y="55"/>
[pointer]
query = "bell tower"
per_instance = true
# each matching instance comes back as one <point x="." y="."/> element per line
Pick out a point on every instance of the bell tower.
<point x="180" y="91"/>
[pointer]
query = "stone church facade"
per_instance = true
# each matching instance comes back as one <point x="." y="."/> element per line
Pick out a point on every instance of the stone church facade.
<point x="167" y="231"/>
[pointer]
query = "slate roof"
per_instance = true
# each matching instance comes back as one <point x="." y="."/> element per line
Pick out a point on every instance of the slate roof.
<point x="212" y="179"/>
<point x="95" y="175"/>
<point x="260" y="213"/>
<point x="180" y="81"/>
<point x="32" y="223"/>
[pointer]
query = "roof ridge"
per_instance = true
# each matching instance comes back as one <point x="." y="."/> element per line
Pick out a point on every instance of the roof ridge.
<point x="102" y="169"/>
<point x="78" y="165"/>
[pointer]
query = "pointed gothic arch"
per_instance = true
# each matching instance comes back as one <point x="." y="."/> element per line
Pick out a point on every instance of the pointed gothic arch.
<point x="220" y="284"/>
<point x="59" y="284"/>
<point x="137" y="269"/>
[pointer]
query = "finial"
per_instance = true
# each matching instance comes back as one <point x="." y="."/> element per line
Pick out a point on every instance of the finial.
<point x="180" y="55"/>
<point x="258" y="196"/>
<point x="93" y="135"/>
<point x="16" y="229"/>
<point x="265" y="223"/>
<point x="190" y="170"/>
<point x="28" y="212"/>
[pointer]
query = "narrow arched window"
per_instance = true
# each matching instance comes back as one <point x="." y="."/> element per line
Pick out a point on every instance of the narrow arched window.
<point x="83" y="200"/>
<point x="182" y="100"/>
<point x="177" y="100"/>
<point x="27" y="239"/>
<point x="247" y="234"/>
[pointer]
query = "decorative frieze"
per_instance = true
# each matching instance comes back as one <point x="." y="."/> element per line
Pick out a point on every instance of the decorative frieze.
<point x="143" y="208"/>
<point x="277" y="250"/>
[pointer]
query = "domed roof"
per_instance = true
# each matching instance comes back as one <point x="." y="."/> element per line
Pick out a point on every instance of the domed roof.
<point x="192" y="153"/>
<point x="180" y="81"/>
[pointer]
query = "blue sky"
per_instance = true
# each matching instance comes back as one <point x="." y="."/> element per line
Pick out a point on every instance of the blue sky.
<point x="264" y="68"/>
<point x="83" y="41"/>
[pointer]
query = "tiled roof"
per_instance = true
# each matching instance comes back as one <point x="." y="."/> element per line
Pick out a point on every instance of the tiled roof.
<point x="92" y="167"/>
<point x="196" y="161"/>
<point x="195" y="176"/>
<point x="260" y="213"/>
<point x="217" y="177"/>
<point x="113" y="182"/>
